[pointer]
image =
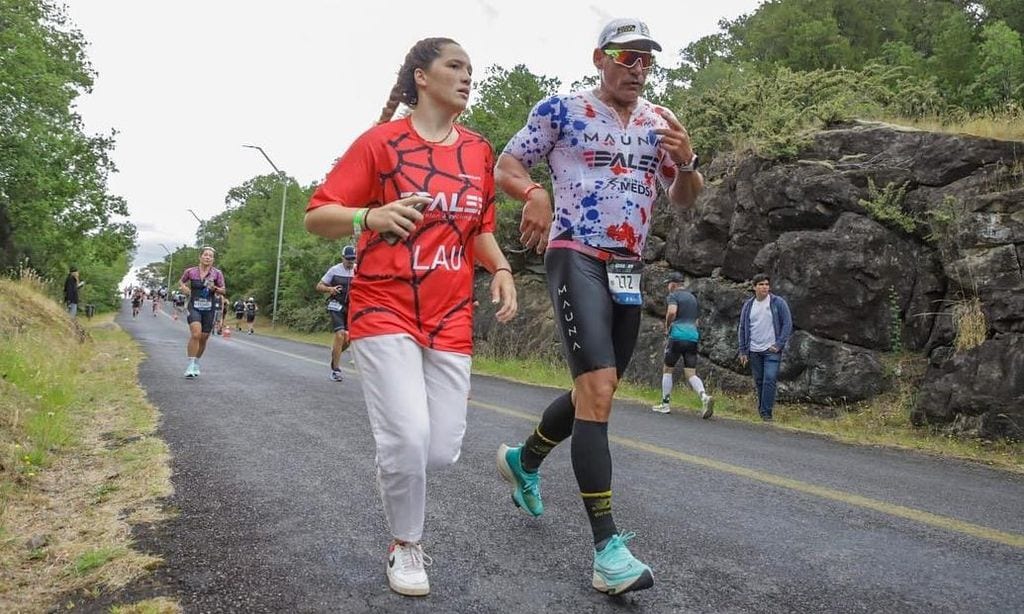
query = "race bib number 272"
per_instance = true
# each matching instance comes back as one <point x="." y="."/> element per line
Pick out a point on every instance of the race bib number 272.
<point x="624" y="281"/>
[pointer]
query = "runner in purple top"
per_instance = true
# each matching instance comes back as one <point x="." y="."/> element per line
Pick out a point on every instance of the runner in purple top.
<point x="201" y="283"/>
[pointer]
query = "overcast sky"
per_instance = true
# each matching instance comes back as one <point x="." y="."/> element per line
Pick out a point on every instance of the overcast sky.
<point x="186" y="83"/>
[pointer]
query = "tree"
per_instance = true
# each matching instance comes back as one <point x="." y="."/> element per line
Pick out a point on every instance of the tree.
<point x="504" y="102"/>
<point x="54" y="207"/>
<point x="1001" y="77"/>
<point x="954" y="58"/>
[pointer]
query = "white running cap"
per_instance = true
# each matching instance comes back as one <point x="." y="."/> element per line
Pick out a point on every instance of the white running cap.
<point x="626" y="30"/>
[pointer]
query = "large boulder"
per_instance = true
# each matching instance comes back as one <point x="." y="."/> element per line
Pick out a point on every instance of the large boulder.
<point x="874" y="234"/>
<point x="852" y="282"/>
<point x="980" y="391"/>
<point x="827" y="372"/>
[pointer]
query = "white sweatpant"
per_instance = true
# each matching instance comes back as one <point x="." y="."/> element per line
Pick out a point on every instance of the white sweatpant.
<point x="416" y="398"/>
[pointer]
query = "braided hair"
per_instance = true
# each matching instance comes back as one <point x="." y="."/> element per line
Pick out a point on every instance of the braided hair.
<point x="420" y="56"/>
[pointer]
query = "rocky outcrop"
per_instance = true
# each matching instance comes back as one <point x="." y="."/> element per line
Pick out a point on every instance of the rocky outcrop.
<point x="873" y="234"/>
<point x="979" y="391"/>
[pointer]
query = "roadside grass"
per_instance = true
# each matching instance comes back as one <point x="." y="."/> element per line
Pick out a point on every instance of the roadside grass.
<point x="884" y="421"/>
<point x="1007" y="124"/>
<point x="78" y="462"/>
<point x="160" y="605"/>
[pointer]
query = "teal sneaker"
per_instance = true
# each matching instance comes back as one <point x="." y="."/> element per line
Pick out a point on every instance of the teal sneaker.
<point x="525" y="485"/>
<point x="617" y="571"/>
<point x="191" y="371"/>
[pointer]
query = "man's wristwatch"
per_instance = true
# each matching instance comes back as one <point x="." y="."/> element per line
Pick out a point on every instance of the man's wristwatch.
<point x="690" y="166"/>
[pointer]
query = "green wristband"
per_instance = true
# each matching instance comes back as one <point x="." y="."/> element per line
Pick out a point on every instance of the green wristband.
<point x="357" y="220"/>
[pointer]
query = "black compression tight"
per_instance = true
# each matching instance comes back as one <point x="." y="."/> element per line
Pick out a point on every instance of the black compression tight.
<point x="555" y="426"/>
<point x="592" y="464"/>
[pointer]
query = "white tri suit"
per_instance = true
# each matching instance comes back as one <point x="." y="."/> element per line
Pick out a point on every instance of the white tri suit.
<point x="603" y="174"/>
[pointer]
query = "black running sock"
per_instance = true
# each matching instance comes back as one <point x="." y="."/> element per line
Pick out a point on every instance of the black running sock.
<point x="592" y="464"/>
<point x="555" y="425"/>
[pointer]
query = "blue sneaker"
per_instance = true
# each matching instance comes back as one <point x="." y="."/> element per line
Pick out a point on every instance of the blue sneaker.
<point x="617" y="571"/>
<point x="525" y="485"/>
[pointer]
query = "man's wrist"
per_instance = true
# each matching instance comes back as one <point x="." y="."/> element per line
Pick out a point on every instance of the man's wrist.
<point x="531" y="188"/>
<point x="690" y="166"/>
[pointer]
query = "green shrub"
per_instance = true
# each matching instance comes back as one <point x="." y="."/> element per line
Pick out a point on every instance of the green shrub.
<point x="886" y="205"/>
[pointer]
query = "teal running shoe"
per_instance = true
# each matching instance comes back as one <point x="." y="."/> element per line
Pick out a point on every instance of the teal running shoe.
<point x="191" y="371"/>
<point x="617" y="571"/>
<point x="525" y="484"/>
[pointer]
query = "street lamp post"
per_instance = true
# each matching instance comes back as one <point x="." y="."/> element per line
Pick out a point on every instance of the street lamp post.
<point x="201" y="234"/>
<point x="280" y="230"/>
<point x="170" y="265"/>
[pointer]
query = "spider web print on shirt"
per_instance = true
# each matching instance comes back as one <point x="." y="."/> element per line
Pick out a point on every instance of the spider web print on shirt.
<point x="435" y="267"/>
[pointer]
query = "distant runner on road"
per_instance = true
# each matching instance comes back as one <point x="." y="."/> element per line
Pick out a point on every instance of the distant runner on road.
<point x="250" y="313"/>
<point x="239" y="307"/>
<point x="179" y="304"/>
<point x="681" y="341"/>
<point x="335" y="283"/>
<point x="137" y="297"/>
<point x="201" y="283"/>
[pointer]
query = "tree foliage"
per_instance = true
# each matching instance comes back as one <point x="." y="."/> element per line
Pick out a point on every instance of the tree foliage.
<point x="761" y="82"/>
<point x="55" y="210"/>
<point x="958" y="43"/>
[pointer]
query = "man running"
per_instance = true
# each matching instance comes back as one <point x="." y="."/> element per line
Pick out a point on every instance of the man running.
<point x="335" y="283"/>
<point x="607" y="149"/>
<point x="239" y="307"/>
<point x="179" y="304"/>
<point x="250" y="313"/>
<point x="219" y="307"/>
<point x="201" y="283"/>
<point x="681" y="339"/>
<point x="137" y="297"/>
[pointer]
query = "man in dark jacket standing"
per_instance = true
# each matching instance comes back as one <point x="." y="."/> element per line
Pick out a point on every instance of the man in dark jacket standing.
<point x="71" y="286"/>
<point x="765" y="328"/>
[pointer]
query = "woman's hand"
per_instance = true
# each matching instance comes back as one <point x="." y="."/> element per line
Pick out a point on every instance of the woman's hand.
<point x="503" y="291"/>
<point x="397" y="217"/>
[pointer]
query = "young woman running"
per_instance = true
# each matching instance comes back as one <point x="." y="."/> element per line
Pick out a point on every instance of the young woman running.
<point x="418" y="193"/>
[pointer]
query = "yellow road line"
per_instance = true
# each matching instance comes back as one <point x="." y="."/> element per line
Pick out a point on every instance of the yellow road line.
<point x="908" y="513"/>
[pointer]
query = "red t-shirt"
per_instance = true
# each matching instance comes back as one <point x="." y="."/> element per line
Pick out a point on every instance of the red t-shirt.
<point x="422" y="286"/>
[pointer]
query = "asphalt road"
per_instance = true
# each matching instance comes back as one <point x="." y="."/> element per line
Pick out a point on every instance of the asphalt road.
<point x="273" y="470"/>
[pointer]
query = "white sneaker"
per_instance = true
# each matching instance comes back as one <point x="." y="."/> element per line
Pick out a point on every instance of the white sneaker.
<point x="406" y="573"/>
<point x="336" y="375"/>
<point x="662" y="408"/>
<point x="708" y="406"/>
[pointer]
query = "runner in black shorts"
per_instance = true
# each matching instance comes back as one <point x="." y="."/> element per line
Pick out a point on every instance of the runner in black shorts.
<point x="335" y="283"/>
<point x="239" y="307"/>
<point x="682" y="337"/>
<point x="179" y="304"/>
<point x="201" y="283"/>
<point x="250" y="313"/>
<point x="137" y="297"/>
<point x="608" y="149"/>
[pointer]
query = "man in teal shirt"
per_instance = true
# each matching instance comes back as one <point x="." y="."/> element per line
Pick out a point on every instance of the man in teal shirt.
<point x="682" y="338"/>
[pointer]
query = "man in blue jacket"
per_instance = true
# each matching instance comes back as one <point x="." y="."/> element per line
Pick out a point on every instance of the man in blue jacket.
<point x="765" y="328"/>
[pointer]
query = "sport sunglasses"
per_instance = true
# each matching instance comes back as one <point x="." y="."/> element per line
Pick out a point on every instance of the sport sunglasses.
<point x="629" y="57"/>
